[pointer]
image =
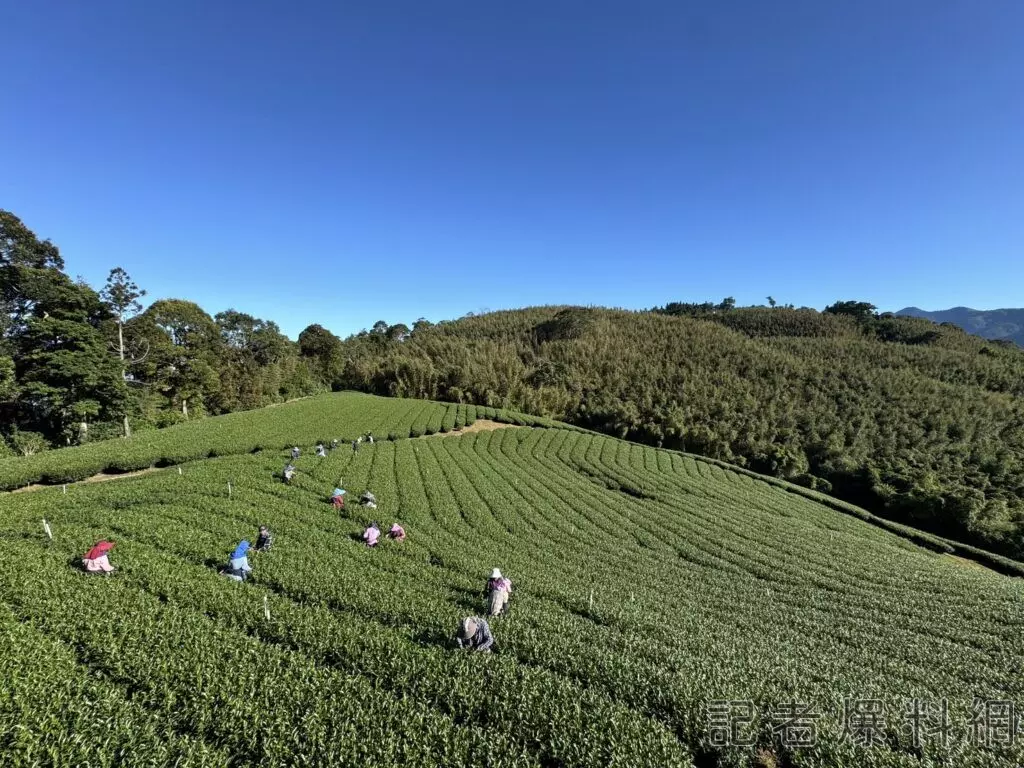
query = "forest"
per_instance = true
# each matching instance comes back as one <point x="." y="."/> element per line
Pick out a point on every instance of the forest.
<point x="918" y="422"/>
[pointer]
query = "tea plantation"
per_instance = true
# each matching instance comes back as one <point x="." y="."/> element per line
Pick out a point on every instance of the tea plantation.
<point x="666" y="611"/>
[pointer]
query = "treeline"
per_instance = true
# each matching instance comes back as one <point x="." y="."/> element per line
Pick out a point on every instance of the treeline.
<point x="77" y="364"/>
<point x="919" y="422"/>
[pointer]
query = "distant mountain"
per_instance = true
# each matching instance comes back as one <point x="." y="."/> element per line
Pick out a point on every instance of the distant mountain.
<point x="1005" y="324"/>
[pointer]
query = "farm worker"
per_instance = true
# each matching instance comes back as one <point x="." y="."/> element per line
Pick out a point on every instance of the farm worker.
<point x="239" y="568"/>
<point x="397" y="532"/>
<point x="368" y="500"/>
<point x="296" y="452"/>
<point x="369" y="437"/>
<point x="95" y="560"/>
<point x="475" y="634"/>
<point x="338" y="498"/>
<point x="371" y="534"/>
<point x="498" y="591"/>
<point x="334" y="443"/>
<point x="355" y="446"/>
<point x="289" y="472"/>
<point x="320" y="451"/>
<point x="264" y="541"/>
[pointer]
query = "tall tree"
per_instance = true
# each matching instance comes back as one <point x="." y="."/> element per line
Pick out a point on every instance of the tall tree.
<point x="121" y="296"/>
<point x="323" y="351"/>
<point x="20" y="250"/>
<point x="184" y="346"/>
<point x="66" y="377"/>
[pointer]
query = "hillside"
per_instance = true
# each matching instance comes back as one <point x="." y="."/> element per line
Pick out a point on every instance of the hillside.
<point x="647" y="585"/>
<point x="918" y="422"/>
<point x="1006" y="324"/>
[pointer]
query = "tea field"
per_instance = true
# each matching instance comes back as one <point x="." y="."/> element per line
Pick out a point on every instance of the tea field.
<point x="666" y="611"/>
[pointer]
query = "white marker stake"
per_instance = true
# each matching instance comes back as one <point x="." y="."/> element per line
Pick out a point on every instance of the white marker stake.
<point x="591" y="606"/>
<point x="266" y="608"/>
<point x="46" y="527"/>
<point x="65" y="490"/>
<point x="229" y="489"/>
<point x="179" y="470"/>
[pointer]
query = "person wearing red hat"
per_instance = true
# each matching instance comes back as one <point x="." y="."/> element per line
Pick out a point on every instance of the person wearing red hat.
<point x="96" y="561"/>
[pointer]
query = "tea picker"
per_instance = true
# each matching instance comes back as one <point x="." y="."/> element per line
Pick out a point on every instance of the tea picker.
<point x="338" y="497"/>
<point x="265" y="540"/>
<point x="498" y="593"/>
<point x="289" y="472"/>
<point x="371" y="535"/>
<point x="474" y="634"/>
<point x="96" y="561"/>
<point x="238" y="567"/>
<point x="368" y="500"/>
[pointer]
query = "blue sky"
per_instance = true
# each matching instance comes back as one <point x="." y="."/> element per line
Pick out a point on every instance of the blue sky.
<point x="342" y="163"/>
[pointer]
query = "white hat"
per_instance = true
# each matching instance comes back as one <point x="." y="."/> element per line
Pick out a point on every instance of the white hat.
<point x="467" y="628"/>
<point x="495" y="574"/>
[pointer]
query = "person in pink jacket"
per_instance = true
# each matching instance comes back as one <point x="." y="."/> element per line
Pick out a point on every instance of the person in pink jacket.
<point x="371" y="535"/>
<point x="96" y="560"/>
<point x="397" y="532"/>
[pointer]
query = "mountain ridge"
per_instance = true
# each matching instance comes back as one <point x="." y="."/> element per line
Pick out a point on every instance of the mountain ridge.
<point x="1006" y="324"/>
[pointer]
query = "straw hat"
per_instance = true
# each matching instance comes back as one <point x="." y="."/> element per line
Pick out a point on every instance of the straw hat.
<point x="467" y="628"/>
<point x="495" y="574"/>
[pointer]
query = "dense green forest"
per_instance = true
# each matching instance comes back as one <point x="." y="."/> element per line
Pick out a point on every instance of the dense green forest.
<point x="920" y="422"/>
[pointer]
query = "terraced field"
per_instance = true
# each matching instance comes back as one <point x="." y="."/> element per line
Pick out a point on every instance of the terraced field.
<point x="663" y="607"/>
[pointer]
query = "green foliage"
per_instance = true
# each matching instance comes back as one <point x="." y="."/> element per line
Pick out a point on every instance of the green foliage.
<point x="921" y="423"/>
<point x="640" y="594"/>
<point x="860" y="310"/>
<point x="323" y="350"/>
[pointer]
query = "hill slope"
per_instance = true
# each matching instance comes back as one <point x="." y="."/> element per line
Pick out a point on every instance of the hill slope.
<point x="989" y="324"/>
<point x="304" y="422"/>
<point x="647" y="584"/>
<point x="918" y="422"/>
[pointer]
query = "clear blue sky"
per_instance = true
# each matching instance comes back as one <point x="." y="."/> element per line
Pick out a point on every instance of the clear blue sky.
<point x="342" y="162"/>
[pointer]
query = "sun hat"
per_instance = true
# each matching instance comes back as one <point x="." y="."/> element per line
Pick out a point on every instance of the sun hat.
<point x="495" y="574"/>
<point x="467" y="628"/>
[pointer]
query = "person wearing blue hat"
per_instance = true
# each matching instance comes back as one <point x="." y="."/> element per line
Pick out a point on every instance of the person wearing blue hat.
<point x="239" y="568"/>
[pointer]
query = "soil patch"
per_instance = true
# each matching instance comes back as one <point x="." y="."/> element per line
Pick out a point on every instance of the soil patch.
<point x="480" y="425"/>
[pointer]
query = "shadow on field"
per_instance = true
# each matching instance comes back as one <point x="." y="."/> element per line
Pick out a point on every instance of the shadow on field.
<point x="593" y="616"/>
<point x="434" y="637"/>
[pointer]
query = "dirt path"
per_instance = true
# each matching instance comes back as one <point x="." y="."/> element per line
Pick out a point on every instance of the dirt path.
<point x="480" y="425"/>
<point x="101" y="477"/>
